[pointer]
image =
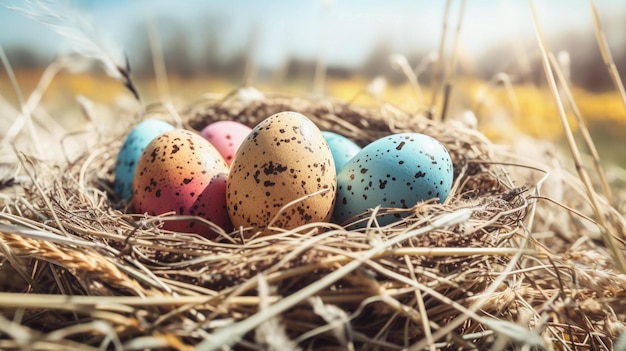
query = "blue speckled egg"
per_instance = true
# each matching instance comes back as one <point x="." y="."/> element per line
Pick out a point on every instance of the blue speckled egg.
<point x="342" y="148"/>
<point x="396" y="171"/>
<point x="135" y="143"/>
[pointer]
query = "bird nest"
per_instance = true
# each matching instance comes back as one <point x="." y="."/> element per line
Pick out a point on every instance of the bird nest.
<point x="498" y="265"/>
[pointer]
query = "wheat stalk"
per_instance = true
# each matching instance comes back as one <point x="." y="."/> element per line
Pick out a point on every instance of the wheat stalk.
<point x="76" y="260"/>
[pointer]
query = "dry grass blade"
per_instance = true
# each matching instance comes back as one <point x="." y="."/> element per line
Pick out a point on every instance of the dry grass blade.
<point x="607" y="235"/>
<point x="606" y="52"/>
<point x="399" y="62"/>
<point x="25" y="163"/>
<point x="319" y="72"/>
<point x="21" y="338"/>
<point x="428" y="336"/>
<point x="86" y="40"/>
<point x="478" y="304"/>
<point x="452" y="69"/>
<point x="483" y="95"/>
<point x="439" y="68"/>
<point x="583" y="129"/>
<point x="25" y="113"/>
<point x="158" y="60"/>
<point x="230" y="334"/>
<point x="293" y="203"/>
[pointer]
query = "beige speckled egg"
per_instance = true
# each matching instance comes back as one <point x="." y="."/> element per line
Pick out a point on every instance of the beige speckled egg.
<point x="182" y="172"/>
<point x="283" y="159"/>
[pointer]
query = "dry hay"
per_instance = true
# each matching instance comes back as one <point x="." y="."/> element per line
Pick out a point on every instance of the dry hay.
<point x="497" y="265"/>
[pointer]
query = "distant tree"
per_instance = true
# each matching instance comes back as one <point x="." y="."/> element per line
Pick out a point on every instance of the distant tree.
<point x="139" y="53"/>
<point x="519" y="60"/>
<point x="211" y="29"/>
<point x="587" y="69"/>
<point x="297" y="68"/>
<point x="177" y="51"/>
<point x="377" y="63"/>
<point x="587" y="66"/>
<point x="340" y="72"/>
<point x="234" y="65"/>
<point x="24" y="57"/>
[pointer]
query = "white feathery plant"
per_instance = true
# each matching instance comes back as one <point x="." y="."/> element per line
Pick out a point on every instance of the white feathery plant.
<point x="85" y="40"/>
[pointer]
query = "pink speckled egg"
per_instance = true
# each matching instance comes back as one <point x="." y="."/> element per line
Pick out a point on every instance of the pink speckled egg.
<point x="283" y="161"/>
<point x="226" y="137"/>
<point x="182" y="172"/>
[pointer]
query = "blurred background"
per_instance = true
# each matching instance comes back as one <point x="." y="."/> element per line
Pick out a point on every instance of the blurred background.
<point x="277" y="45"/>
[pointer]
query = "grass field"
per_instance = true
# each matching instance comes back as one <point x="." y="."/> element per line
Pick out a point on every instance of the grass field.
<point x="501" y="114"/>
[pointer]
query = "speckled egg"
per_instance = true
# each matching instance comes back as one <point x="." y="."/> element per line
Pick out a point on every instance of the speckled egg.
<point x="284" y="158"/>
<point x="226" y="137"/>
<point x="182" y="172"/>
<point x="342" y="148"/>
<point x="396" y="171"/>
<point x="133" y="146"/>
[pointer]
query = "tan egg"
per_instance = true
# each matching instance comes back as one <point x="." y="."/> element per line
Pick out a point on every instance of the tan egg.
<point x="284" y="158"/>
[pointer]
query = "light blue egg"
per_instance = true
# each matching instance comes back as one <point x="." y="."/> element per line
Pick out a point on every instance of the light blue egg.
<point x="396" y="171"/>
<point x="342" y="148"/>
<point x="135" y="143"/>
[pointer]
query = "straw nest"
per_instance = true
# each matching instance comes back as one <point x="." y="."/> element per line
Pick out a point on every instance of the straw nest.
<point x="511" y="259"/>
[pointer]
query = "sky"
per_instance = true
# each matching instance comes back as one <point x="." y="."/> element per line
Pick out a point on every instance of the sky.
<point x="343" y="31"/>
